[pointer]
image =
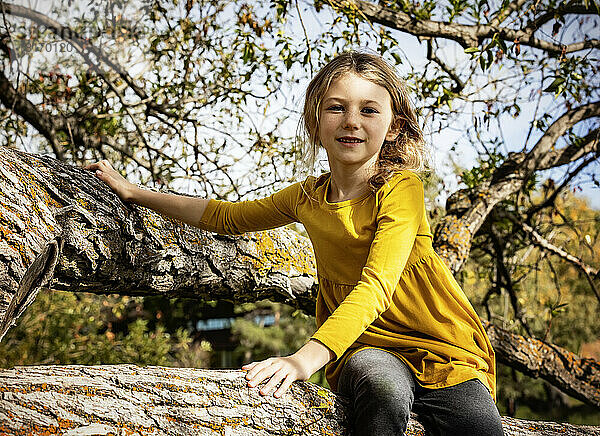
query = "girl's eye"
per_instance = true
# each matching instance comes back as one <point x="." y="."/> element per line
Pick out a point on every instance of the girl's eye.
<point x="339" y="108"/>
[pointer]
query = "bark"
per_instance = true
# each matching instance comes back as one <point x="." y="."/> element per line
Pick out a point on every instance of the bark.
<point x="577" y="376"/>
<point x="470" y="35"/>
<point x="127" y="399"/>
<point x="96" y="243"/>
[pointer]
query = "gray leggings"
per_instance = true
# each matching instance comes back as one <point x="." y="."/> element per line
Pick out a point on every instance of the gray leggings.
<point x="383" y="391"/>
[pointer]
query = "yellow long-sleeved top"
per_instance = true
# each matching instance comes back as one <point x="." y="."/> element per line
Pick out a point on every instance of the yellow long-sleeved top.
<point x="381" y="284"/>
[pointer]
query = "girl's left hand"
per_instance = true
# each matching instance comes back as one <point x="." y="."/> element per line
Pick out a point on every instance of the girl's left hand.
<point x="284" y="370"/>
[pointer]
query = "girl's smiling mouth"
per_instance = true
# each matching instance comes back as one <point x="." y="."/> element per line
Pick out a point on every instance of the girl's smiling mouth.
<point x="350" y="140"/>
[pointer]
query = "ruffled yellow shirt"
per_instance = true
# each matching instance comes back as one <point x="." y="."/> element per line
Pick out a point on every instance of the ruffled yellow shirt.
<point x="381" y="284"/>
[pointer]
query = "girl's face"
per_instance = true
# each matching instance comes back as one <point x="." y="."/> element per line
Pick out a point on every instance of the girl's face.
<point x="355" y="118"/>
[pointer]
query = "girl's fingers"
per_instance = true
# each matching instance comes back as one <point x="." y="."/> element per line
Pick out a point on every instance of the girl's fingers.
<point x="257" y="367"/>
<point x="102" y="165"/>
<point x="273" y="382"/>
<point x="262" y="374"/>
<point x="280" y="376"/>
<point x="285" y="385"/>
<point x="249" y="366"/>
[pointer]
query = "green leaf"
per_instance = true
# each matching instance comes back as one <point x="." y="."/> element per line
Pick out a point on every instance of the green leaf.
<point x="555" y="84"/>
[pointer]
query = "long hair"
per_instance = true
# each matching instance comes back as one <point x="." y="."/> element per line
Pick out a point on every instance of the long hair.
<point x="407" y="152"/>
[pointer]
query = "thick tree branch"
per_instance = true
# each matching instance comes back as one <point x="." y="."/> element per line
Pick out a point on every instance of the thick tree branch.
<point x="465" y="34"/>
<point x="549" y="362"/>
<point x="126" y="399"/>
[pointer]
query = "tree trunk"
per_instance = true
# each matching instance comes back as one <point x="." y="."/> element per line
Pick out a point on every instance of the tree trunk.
<point x="127" y="399"/>
<point x="64" y="229"/>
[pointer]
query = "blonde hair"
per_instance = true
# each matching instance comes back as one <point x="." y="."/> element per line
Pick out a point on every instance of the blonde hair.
<point x="407" y="152"/>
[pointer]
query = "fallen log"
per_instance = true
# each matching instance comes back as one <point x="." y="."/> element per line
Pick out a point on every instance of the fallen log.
<point x="128" y="399"/>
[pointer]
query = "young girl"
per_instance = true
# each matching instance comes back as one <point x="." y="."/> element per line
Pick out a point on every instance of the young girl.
<point x="394" y="328"/>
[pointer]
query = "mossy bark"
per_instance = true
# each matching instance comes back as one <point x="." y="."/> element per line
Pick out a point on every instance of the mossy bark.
<point x="127" y="399"/>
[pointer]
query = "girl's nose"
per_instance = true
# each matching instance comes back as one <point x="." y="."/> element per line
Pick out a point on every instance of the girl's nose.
<point x="351" y="120"/>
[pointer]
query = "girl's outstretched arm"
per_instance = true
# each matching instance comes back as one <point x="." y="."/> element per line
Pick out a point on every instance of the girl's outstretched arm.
<point x="182" y="208"/>
<point x="285" y="370"/>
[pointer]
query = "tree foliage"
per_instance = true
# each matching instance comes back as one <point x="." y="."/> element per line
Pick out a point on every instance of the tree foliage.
<point x="86" y="329"/>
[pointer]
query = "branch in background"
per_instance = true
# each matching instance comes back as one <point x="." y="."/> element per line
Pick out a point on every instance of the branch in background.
<point x="466" y="210"/>
<point x="574" y="151"/>
<point x="590" y="272"/>
<point x="505" y="13"/>
<point x="84" y="47"/>
<point x="66" y="33"/>
<point x="465" y="34"/>
<point x="14" y="101"/>
<point x="50" y="125"/>
<point x="552" y="197"/>
<point x="504" y="280"/>
<point x="572" y="8"/>
<point x="431" y="55"/>
<point x="577" y="376"/>
<point x="540" y="156"/>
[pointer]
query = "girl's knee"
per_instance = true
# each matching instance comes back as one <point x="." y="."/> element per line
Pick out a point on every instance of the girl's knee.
<point x="466" y="409"/>
<point x="376" y="370"/>
<point x="381" y="406"/>
<point x="378" y="379"/>
<point x="482" y="421"/>
<point x="480" y="416"/>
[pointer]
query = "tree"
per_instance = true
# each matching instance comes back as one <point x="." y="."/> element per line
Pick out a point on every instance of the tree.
<point x="507" y="53"/>
<point x="80" y="241"/>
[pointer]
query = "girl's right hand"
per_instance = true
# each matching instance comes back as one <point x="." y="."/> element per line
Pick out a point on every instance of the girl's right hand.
<point x="281" y="372"/>
<point x="105" y="172"/>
